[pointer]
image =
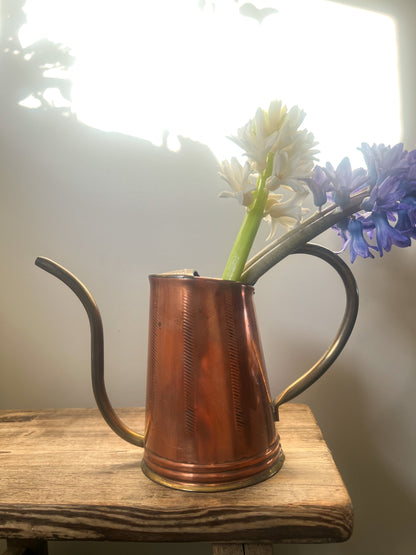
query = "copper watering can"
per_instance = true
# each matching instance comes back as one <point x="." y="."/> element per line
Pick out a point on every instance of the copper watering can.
<point x="210" y="418"/>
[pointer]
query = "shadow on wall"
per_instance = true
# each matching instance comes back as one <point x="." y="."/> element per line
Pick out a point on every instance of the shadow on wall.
<point x="25" y="70"/>
<point x="112" y="209"/>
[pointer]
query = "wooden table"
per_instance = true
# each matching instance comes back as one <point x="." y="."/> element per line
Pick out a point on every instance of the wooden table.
<point x="64" y="475"/>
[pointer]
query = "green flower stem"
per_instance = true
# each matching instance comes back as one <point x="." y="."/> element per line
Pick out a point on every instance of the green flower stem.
<point x="297" y="237"/>
<point x="248" y="230"/>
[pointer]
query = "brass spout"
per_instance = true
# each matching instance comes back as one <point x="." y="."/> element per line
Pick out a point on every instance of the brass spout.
<point x="97" y="349"/>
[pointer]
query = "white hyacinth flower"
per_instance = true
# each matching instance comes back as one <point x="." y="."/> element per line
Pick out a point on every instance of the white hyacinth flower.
<point x="274" y="131"/>
<point x="274" y="117"/>
<point x="288" y="214"/>
<point x="252" y="139"/>
<point x="289" y="171"/>
<point x="293" y="154"/>
<point x="240" y="179"/>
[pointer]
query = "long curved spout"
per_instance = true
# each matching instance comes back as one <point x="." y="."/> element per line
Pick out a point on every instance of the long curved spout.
<point x="97" y="349"/>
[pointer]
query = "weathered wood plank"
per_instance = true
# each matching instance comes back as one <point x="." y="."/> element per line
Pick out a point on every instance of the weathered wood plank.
<point x="65" y="475"/>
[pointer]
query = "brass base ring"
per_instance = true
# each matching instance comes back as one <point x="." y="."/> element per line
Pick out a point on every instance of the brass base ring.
<point x="225" y="486"/>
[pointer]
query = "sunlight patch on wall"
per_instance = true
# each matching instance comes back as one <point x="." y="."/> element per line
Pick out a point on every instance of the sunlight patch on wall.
<point x="199" y="69"/>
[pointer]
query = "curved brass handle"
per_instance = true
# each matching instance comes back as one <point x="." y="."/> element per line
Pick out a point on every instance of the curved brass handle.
<point x="347" y="324"/>
<point x="97" y="349"/>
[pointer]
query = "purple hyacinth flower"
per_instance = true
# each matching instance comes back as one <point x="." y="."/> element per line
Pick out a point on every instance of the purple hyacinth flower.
<point x="391" y="201"/>
<point x="408" y="204"/>
<point x="351" y="231"/>
<point x="345" y="181"/>
<point x="406" y="217"/>
<point x="319" y="185"/>
<point x="384" y="160"/>
<point x="385" y="196"/>
<point x="404" y="224"/>
<point x="387" y="235"/>
<point x="357" y="243"/>
<point x="342" y="231"/>
<point x="408" y="181"/>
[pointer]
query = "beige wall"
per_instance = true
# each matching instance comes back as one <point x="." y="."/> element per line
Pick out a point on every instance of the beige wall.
<point x="113" y="209"/>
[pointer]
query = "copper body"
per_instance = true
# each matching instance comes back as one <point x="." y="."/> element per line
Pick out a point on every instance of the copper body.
<point x="209" y="412"/>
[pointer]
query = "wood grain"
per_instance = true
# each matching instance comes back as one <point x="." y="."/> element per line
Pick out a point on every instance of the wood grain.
<point x="65" y="475"/>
